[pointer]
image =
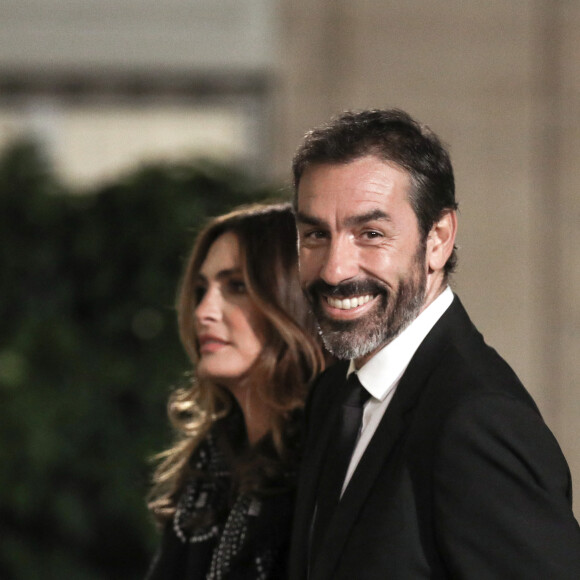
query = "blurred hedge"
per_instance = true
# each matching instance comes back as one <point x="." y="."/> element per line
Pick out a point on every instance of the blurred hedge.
<point x="88" y="354"/>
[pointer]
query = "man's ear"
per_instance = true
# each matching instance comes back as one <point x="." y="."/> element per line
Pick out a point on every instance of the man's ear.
<point x="441" y="240"/>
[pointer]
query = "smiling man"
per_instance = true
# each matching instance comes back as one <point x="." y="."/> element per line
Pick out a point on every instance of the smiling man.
<point x="431" y="460"/>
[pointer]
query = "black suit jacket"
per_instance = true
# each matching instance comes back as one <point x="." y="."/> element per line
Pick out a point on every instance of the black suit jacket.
<point x="462" y="478"/>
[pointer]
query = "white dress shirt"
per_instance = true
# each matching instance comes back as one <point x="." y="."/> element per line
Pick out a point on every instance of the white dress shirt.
<point x="381" y="374"/>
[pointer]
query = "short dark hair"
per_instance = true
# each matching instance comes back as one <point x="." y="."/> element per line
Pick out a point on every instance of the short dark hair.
<point x="394" y="136"/>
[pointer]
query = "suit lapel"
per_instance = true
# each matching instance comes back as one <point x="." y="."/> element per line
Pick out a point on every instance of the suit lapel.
<point x="390" y="429"/>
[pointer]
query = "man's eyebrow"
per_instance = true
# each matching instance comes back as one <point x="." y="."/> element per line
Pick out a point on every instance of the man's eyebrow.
<point x="355" y="220"/>
<point x="308" y="219"/>
<point x="363" y="218"/>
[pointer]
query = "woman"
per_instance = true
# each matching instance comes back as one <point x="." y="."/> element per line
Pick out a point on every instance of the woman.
<point x="224" y="493"/>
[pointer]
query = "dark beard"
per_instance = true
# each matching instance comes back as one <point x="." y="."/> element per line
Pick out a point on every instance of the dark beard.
<point x="395" y="310"/>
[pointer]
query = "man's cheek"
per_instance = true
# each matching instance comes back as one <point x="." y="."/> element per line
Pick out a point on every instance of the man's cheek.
<point x="305" y="264"/>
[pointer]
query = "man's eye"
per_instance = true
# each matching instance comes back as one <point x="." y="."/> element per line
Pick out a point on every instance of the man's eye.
<point x="315" y="235"/>
<point x="372" y="234"/>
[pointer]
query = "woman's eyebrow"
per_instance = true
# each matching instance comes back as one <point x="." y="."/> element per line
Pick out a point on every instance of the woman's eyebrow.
<point x="222" y="274"/>
<point x="228" y="273"/>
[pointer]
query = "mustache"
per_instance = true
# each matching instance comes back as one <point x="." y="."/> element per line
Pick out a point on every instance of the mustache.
<point x="345" y="289"/>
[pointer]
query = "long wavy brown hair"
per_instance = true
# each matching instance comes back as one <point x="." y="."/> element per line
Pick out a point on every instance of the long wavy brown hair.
<point x="291" y="358"/>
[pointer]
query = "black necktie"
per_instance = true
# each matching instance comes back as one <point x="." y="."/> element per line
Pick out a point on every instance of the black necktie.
<point x="338" y="454"/>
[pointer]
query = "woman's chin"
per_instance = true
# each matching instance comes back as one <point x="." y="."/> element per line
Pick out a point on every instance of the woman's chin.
<point x="219" y="376"/>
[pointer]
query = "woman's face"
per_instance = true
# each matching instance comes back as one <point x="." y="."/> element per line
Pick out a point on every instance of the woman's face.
<point x="227" y="323"/>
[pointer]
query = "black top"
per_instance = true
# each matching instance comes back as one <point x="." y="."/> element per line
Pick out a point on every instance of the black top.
<point x="218" y="532"/>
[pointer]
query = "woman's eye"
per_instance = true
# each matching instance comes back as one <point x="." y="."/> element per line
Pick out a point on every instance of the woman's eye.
<point x="199" y="293"/>
<point x="237" y="286"/>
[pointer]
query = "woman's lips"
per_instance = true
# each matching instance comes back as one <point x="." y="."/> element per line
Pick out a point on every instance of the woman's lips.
<point x="210" y="344"/>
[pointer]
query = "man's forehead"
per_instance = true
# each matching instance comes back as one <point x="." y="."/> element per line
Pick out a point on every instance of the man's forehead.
<point x="364" y="179"/>
<point x="315" y="206"/>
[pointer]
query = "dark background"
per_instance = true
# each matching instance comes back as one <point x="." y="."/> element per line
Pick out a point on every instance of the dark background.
<point x="88" y="355"/>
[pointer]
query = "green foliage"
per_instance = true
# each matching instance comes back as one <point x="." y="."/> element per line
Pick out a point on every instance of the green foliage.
<point x="88" y="354"/>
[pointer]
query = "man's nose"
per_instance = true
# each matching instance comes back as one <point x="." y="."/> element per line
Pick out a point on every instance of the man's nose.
<point x="341" y="262"/>
<point x="209" y="308"/>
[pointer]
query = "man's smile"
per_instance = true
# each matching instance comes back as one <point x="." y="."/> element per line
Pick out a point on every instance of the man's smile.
<point x="348" y="303"/>
<point x="348" y="308"/>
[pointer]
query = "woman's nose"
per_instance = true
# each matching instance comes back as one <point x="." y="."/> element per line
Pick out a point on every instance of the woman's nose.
<point x="209" y="308"/>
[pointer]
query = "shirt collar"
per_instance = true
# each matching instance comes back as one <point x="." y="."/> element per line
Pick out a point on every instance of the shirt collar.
<point x="383" y="371"/>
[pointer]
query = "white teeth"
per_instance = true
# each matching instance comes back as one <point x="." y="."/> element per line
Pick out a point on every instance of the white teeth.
<point x="348" y="303"/>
